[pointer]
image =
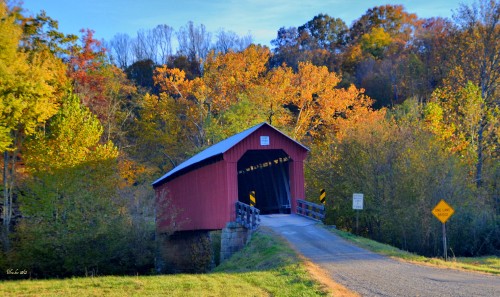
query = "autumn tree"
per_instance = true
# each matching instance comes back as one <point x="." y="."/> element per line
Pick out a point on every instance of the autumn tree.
<point x="324" y="32"/>
<point x="79" y="205"/>
<point x="41" y="31"/>
<point x="225" y="79"/>
<point x="393" y="19"/>
<point x="226" y="76"/>
<point x="30" y="82"/>
<point x="69" y="204"/>
<point x="86" y="60"/>
<point x="318" y="41"/>
<point x="375" y="42"/>
<point x="163" y="134"/>
<point x="306" y="103"/>
<point x="71" y="137"/>
<point x="403" y="170"/>
<point x="431" y="46"/>
<point x="317" y="104"/>
<point x="192" y="68"/>
<point x="476" y="54"/>
<point x="102" y="87"/>
<point x="378" y="50"/>
<point x="237" y="90"/>
<point x="287" y="48"/>
<point x="141" y="73"/>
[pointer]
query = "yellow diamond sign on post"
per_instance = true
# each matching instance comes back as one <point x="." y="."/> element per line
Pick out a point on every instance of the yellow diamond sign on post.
<point x="443" y="211"/>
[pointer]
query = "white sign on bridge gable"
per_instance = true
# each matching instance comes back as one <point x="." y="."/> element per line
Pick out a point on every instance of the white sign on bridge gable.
<point x="264" y="140"/>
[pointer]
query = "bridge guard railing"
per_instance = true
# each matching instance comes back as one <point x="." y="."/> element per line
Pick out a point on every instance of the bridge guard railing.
<point x="310" y="210"/>
<point x="247" y="216"/>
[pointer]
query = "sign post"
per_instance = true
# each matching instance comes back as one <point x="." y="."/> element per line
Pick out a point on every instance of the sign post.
<point x="357" y="204"/>
<point x="252" y="198"/>
<point x="443" y="211"/>
<point x="322" y="196"/>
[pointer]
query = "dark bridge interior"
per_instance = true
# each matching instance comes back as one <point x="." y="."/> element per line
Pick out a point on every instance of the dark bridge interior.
<point x="266" y="172"/>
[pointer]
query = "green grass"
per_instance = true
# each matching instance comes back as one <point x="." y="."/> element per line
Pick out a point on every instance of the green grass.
<point x="490" y="264"/>
<point x="267" y="266"/>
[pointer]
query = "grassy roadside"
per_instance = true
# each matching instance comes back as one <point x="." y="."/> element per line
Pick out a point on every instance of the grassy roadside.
<point x="267" y="266"/>
<point x="489" y="264"/>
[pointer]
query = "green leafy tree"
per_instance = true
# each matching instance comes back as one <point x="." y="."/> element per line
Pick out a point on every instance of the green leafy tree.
<point x="41" y="32"/>
<point x="404" y="169"/>
<point x="324" y="32"/>
<point x="71" y="137"/>
<point x="229" y="122"/>
<point x="30" y="83"/>
<point x="319" y="41"/>
<point x="72" y="217"/>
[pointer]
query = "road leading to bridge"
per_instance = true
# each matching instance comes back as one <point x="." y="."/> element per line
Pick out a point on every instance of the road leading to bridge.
<point x="370" y="274"/>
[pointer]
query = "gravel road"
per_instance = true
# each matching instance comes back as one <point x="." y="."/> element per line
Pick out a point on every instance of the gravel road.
<point x="370" y="274"/>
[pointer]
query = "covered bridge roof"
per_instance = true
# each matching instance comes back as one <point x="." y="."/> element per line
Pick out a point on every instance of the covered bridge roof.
<point x="213" y="153"/>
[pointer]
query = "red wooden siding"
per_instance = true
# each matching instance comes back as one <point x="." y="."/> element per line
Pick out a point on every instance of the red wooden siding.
<point x="206" y="196"/>
<point x="200" y="196"/>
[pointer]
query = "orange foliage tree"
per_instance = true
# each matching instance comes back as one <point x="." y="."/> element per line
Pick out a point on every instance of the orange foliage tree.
<point x="237" y="90"/>
<point x="101" y="86"/>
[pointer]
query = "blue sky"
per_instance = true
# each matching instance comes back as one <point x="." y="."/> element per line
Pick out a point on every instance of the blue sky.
<point x="260" y="18"/>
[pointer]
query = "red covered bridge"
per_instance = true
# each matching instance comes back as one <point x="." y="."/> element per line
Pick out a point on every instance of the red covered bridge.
<point x="206" y="187"/>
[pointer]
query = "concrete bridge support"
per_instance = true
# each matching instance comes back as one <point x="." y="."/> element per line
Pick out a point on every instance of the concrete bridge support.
<point x="199" y="251"/>
<point x="234" y="237"/>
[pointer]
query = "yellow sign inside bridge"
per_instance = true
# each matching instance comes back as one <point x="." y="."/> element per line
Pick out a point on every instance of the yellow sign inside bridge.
<point x="443" y="211"/>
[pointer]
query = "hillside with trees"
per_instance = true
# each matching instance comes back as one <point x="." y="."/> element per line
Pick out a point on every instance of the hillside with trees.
<point x="403" y="109"/>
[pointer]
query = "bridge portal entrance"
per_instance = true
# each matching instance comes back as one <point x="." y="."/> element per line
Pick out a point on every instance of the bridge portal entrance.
<point x="265" y="172"/>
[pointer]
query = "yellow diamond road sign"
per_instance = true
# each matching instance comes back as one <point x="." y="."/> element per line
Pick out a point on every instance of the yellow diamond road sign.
<point x="443" y="211"/>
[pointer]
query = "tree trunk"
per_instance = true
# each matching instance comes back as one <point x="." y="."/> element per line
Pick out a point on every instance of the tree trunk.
<point x="6" y="207"/>
<point x="480" y="145"/>
<point x="11" y="185"/>
<point x="4" y="232"/>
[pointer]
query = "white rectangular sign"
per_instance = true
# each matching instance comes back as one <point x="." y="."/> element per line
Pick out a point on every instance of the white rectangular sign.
<point x="357" y="201"/>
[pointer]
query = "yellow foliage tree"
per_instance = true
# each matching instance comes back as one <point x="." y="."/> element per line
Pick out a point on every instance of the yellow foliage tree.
<point x="375" y="42"/>
<point x="30" y="83"/>
<point x="71" y="138"/>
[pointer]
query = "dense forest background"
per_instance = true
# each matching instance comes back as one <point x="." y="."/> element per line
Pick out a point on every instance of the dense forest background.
<point x="403" y="109"/>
